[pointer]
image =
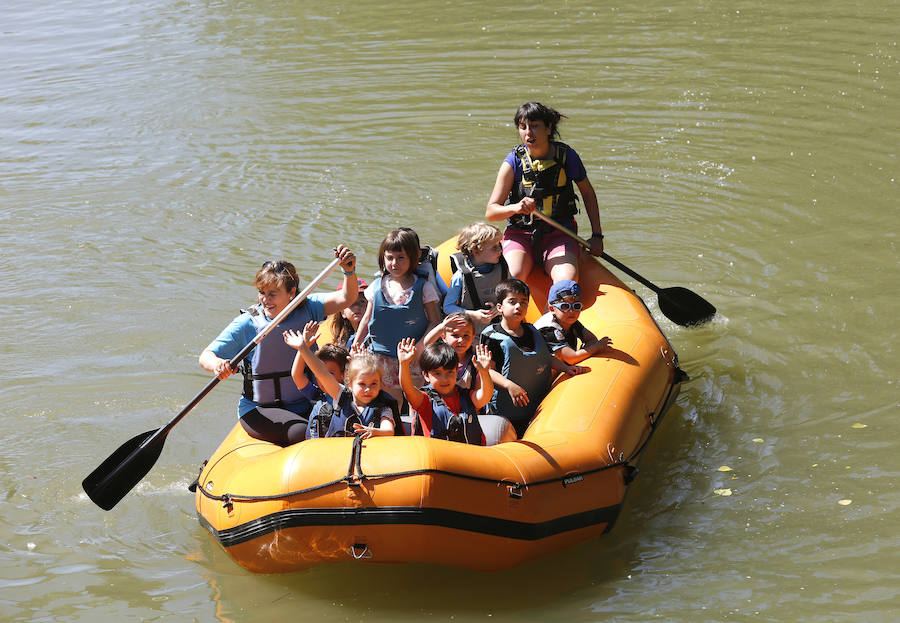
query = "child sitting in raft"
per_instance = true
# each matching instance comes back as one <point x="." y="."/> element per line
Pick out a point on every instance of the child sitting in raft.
<point x="540" y="175"/>
<point x="333" y="356"/>
<point x="522" y="364"/>
<point x="401" y="303"/>
<point x="478" y="268"/>
<point x="427" y="264"/>
<point x="360" y="407"/>
<point x="561" y="329"/>
<point x="443" y="411"/>
<point x="344" y="324"/>
<point x="458" y="331"/>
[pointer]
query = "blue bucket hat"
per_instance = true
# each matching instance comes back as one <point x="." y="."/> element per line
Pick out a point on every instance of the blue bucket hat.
<point x="562" y="289"/>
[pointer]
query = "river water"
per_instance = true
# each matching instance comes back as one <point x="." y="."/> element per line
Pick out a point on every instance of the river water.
<point x="155" y="153"/>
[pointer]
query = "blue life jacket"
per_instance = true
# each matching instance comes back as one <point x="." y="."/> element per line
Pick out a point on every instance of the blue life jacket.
<point x="391" y="323"/>
<point x="463" y="427"/>
<point x="530" y="370"/>
<point x="326" y="420"/>
<point x="267" y="371"/>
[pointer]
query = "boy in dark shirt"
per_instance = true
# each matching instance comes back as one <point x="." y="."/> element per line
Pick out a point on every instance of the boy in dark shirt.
<point x="522" y="364"/>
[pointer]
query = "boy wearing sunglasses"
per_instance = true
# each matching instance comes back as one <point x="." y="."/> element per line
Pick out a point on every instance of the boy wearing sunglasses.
<point x="561" y="329"/>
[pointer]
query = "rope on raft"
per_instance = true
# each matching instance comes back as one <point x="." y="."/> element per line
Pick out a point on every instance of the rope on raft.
<point x="355" y="474"/>
<point x="514" y="487"/>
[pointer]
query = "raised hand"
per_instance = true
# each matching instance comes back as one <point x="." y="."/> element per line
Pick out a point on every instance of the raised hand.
<point x="311" y="333"/>
<point x="347" y="258"/>
<point x="293" y="339"/>
<point x="406" y="349"/>
<point x="482" y="357"/>
<point x="453" y="321"/>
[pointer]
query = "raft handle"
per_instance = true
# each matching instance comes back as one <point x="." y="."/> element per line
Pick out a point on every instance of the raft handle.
<point x="364" y="553"/>
<point x="515" y="491"/>
<point x="227" y="504"/>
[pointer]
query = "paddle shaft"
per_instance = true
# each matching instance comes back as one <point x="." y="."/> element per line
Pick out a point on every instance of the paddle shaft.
<point x="585" y="245"/>
<point x="679" y="305"/>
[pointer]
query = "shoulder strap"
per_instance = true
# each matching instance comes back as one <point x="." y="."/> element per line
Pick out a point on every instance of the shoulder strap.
<point x="562" y="150"/>
<point x="525" y="158"/>
<point x="466" y="269"/>
<point x="433" y="394"/>
<point x="428" y="253"/>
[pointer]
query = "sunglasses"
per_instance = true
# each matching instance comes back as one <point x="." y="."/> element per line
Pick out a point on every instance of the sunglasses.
<point x="563" y="306"/>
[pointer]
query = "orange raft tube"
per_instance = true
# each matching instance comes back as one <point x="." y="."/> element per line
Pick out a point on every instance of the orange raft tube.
<point x="411" y="499"/>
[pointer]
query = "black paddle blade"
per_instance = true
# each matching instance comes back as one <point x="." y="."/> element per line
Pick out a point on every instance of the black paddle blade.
<point x="684" y="307"/>
<point x="124" y="468"/>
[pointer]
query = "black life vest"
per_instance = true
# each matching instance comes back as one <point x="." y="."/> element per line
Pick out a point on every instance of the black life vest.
<point x="477" y="288"/>
<point x="545" y="180"/>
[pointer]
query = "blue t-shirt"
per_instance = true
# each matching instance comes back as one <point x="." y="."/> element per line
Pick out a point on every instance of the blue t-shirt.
<point x="241" y="332"/>
<point x="575" y="170"/>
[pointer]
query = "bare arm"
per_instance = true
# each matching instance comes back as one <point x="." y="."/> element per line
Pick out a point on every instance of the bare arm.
<point x="324" y="380"/>
<point x="406" y="352"/>
<point x="362" y="332"/>
<point x="517" y="393"/>
<point x="495" y="210"/>
<point x="572" y="356"/>
<point x="593" y="211"/>
<point x="211" y="362"/>
<point x="436" y="332"/>
<point x="294" y="340"/>
<point x="482" y="394"/>
<point x="590" y="346"/>
<point x="384" y="429"/>
<point x="561" y="366"/>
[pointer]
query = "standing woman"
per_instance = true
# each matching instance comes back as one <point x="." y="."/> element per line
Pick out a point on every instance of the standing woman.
<point x="540" y="175"/>
<point x="271" y="407"/>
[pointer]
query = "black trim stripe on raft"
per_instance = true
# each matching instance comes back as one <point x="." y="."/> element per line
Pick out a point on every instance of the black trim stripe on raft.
<point x="405" y="516"/>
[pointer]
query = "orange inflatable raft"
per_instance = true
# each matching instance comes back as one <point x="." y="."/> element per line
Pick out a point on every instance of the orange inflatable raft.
<point x="411" y="499"/>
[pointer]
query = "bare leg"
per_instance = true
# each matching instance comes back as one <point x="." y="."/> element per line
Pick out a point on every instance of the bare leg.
<point x="562" y="267"/>
<point x="519" y="262"/>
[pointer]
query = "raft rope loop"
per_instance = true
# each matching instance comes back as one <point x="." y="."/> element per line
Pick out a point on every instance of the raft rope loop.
<point x="514" y="488"/>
